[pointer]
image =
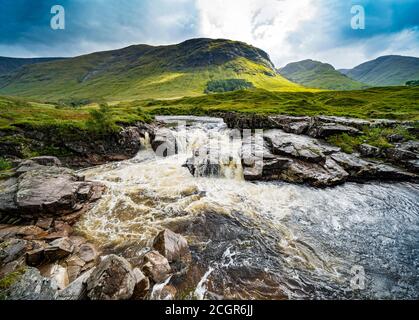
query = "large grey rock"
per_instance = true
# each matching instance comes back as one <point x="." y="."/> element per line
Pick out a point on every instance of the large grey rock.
<point x="32" y="286"/>
<point x="314" y="174"/>
<point x="400" y="154"/>
<point x="362" y="170"/>
<point x="296" y="146"/>
<point x="171" y="245"/>
<point x="59" y="249"/>
<point x="47" y="191"/>
<point x="164" y="143"/>
<point x="325" y="130"/>
<point x="410" y="145"/>
<point x="76" y="290"/>
<point x="204" y="162"/>
<point x="369" y="151"/>
<point x="88" y="252"/>
<point x="113" y="279"/>
<point x="11" y="250"/>
<point x="259" y="163"/>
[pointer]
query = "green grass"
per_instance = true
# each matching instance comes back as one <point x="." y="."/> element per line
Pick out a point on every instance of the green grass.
<point x="76" y="123"/>
<point x="388" y="103"/>
<point x="5" y="164"/>
<point x="377" y="137"/>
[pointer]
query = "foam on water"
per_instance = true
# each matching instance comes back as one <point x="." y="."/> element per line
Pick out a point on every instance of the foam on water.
<point x="321" y="233"/>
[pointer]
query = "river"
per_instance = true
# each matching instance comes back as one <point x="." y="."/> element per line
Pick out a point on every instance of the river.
<point x="261" y="240"/>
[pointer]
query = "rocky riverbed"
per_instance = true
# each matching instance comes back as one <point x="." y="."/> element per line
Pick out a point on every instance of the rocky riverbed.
<point x="205" y="211"/>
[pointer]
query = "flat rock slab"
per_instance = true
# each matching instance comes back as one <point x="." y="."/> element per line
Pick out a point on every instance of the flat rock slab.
<point x="47" y="191"/>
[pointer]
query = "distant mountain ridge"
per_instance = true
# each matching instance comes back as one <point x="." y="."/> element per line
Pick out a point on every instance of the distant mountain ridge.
<point x="144" y="71"/>
<point x="390" y="70"/>
<point x="316" y="74"/>
<point x="11" y="64"/>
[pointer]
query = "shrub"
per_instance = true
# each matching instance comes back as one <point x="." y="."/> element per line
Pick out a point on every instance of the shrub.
<point x="227" y="85"/>
<point x="101" y="119"/>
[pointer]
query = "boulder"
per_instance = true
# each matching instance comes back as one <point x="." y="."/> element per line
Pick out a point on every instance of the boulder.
<point x="113" y="279"/>
<point x="317" y="175"/>
<point x="156" y="266"/>
<point x="295" y="146"/>
<point x="348" y="122"/>
<point x="369" y="151"/>
<point x="44" y="223"/>
<point x="142" y="285"/>
<point x="47" y="161"/>
<point x="77" y="289"/>
<point x="47" y="191"/>
<point x="171" y="245"/>
<point x="410" y="145"/>
<point x="74" y="266"/>
<point x="11" y="250"/>
<point x="31" y="232"/>
<point x="32" y="286"/>
<point x="164" y="143"/>
<point x="59" y="249"/>
<point x="325" y="130"/>
<point x="362" y="170"/>
<point x="400" y="154"/>
<point x="412" y="165"/>
<point x="88" y="252"/>
<point x="205" y="162"/>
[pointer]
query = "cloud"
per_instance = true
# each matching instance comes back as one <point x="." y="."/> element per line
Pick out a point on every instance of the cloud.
<point x="288" y="30"/>
<point x="92" y="25"/>
<point x="265" y="24"/>
<point x="294" y="30"/>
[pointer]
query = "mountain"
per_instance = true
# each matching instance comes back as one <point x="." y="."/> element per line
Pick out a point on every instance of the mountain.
<point x="11" y="64"/>
<point x="386" y="71"/>
<point x="315" y="74"/>
<point x="143" y="71"/>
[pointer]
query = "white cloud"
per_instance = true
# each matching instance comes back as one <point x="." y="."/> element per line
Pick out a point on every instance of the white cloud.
<point x="266" y="24"/>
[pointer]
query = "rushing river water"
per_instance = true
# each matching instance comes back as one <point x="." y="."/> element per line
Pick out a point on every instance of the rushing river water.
<point x="262" y="240"/>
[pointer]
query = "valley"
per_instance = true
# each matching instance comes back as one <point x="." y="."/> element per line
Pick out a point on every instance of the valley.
<point x="200" y="171"/>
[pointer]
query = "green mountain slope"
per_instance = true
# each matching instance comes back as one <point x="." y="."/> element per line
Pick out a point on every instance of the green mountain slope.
<point x="143" y="71"/>
<point x="316" y="74"/>
<point x="386" y="71"/>
<point x="11" y="64"/>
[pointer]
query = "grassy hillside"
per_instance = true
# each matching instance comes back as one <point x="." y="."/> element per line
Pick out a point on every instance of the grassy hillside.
<point x="386" y="71"/>
<point x="70" y="122"/>
<point x="390" y="103"/>
<point x="315" y="74"/>
<point x="141" y="72"/>
<point x="11" y="64"/>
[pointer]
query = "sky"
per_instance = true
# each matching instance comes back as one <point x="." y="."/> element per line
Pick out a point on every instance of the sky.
<point x="288" y="30"/>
